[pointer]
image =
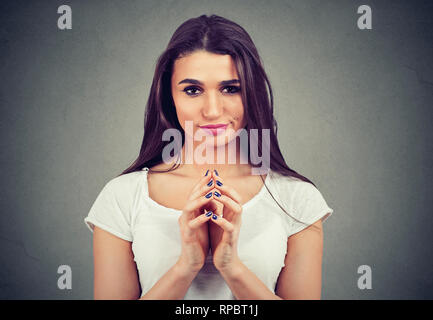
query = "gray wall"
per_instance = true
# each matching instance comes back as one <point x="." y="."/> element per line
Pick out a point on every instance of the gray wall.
<point x="354" y="109"/>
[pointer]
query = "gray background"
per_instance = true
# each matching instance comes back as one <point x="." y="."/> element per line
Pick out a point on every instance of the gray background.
<point x="353" y="107"/>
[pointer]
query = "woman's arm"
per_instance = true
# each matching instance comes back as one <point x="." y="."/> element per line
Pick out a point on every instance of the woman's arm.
<point x="299" y="279"/>
<point x="116" y="274"/>
<point x="245" y="285"/>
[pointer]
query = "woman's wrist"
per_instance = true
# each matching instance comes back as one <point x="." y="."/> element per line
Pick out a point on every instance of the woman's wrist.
<point x="172" y="285"/>
<point x="232" y="271"/>
<point x="185" y="272"/>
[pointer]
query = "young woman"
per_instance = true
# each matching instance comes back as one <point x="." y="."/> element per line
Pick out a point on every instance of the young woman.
<point x="172" y="226"/>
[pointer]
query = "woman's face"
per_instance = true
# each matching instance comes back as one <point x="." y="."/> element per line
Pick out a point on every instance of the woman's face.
<point x="206" y="91"/>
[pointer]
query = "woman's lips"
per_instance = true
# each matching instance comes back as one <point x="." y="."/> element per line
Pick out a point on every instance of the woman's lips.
<point x="214" y="129"/>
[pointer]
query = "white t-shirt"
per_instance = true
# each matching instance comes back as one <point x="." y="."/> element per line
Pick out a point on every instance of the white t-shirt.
<point x="125" y="209"/>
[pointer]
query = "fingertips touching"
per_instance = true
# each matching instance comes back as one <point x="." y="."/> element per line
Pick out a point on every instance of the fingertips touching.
<point x="223" y="223"/>
<point x="202" y="189"/>
<point x="197" y="222"/>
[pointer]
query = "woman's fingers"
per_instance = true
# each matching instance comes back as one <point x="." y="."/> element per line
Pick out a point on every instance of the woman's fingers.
<point x="205" y="183"/>
<point x="196" y="204"/>
<point x="234" y="207"/>
<point x="215" y="207"/>
<point x="202" y="190"/>
<point x="201" y="219"/>
<point x="228" y="196"/>
<point x="202" y="195"/>
<point x="191" y="226"/>
<point x="224" y="224"/>
<point x="225" y="189"/>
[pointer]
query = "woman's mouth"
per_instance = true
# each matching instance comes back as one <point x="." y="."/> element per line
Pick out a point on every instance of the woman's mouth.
<point x="214" y="129"/>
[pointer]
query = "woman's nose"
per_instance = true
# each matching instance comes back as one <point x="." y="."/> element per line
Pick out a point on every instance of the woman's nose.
<point x="212" y="106"/>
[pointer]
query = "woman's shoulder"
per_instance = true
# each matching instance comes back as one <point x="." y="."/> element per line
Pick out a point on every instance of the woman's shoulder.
<point x="160" y="167"/>
<point x="285" y="181"/>
<point x="291" y="188"/>
<point x="302" y="198"/>
<point x="125" y="183"/>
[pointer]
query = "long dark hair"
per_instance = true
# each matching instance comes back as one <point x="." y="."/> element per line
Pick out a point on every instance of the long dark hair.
<point x="217" y="35"/>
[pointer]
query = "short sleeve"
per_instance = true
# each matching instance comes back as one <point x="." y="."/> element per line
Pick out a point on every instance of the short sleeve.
<point x="308" y="206"/>
<point x="111" y="212"/>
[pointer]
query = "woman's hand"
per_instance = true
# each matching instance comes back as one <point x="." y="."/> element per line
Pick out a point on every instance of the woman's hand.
<point x="193" y="226"/>
<point x="224" y="230"/>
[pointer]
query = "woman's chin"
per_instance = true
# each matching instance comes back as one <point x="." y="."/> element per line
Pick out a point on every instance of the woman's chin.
<point x="216" y="141"/>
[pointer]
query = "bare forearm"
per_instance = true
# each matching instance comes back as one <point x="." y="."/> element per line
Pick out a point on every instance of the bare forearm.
<point x="245" y="285"/>
<point x="173" y="285"/>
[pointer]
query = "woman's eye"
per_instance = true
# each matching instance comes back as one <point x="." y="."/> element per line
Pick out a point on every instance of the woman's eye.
<point x="193" y="91"/>
<point x="232" y="89"/>
<point x="190" y="91"/>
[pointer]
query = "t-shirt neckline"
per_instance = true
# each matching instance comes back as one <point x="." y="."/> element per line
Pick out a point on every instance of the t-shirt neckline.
<point x="246" y="205"/>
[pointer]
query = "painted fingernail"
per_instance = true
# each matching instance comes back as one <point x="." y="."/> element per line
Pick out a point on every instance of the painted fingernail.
<point x="216" y="172"/>
<point x="209" y="214"/>
<point x="207" y="172"/>
<point x="210" y="183"/>
<point x="208" y="195"/>
<point x="217" y="194"/>
<point x="214" y="217"/>
<point x="219" y="183"/>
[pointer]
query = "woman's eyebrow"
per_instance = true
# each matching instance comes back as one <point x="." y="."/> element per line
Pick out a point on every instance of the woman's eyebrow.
<point x="222" y="83"/>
